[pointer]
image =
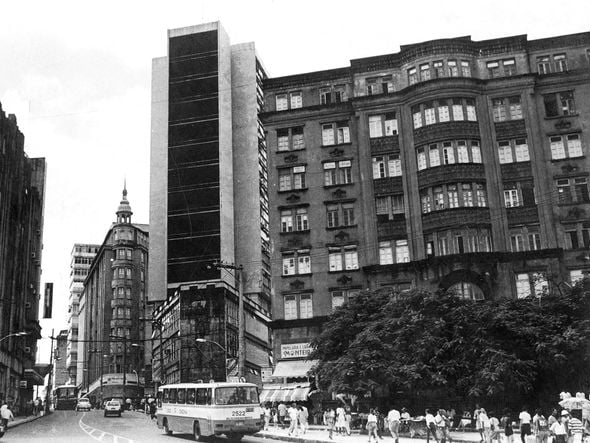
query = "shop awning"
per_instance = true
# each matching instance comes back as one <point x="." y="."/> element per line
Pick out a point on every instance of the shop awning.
<point x="293" y="368"/>
<point x="285" y="393"/>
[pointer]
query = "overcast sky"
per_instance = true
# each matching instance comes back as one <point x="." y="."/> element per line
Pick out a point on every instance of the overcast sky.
<point x="77" y="76"/>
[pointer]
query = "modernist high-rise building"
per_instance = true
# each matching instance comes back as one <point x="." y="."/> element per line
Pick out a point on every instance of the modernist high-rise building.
<point x="22" y="198"/>
<point x="81" y="259"/>
<point x="208" y="208"/>
<point x="113" y="305"/>
<point x="452" y="164"/>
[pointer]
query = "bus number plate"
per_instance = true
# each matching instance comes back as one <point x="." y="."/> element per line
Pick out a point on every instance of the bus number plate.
<point x="238" y="414"/>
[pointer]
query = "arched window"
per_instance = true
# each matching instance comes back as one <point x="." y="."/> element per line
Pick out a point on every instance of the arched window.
<point x="467" y="291"/>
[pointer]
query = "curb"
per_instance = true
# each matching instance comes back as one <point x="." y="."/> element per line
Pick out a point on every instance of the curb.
<point x="16" y="423"/>
<point x="301" y="439"/>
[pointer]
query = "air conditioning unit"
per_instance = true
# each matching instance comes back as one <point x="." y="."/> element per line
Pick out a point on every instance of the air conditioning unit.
<point x="27" y="350"/>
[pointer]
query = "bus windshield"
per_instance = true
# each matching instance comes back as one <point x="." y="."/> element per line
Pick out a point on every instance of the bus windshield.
<point x="236" y="395"/>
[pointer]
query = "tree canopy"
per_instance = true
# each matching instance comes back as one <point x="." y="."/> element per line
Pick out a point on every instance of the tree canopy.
<point x="532" y="348"/>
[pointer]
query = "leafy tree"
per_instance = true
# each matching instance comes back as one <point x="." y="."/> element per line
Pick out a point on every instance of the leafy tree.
<point x="527" y="348"/>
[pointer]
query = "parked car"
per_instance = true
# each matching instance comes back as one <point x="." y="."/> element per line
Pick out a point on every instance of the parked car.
<point x="113" y="407"/>
<point x="83" y="404"/>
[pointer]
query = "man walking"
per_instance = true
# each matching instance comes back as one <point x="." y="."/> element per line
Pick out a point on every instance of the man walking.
<point x="430" y="426"/>
<point x="293" y="414"/>
<point x="393" y="420"/>
<point x="525" y="424"/>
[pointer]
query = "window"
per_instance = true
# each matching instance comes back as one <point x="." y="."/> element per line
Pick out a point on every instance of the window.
<point x="345" y="258"/>
<point x="470" y="108"/>
<point x="467" y="194"/>
<point x="393" y="249"/>
<point x="475" y="152"/>
<point x="543" y="65"/>
<point x="340" y="215"/>
<point x="297" y="263"/>
<point x="379" y="85"/>
<point x="560" y="62"/>
<point x="281" y="102"/>
<point x="513" y="150"/>
<point x="294" y="220"/>
<point x="443" y="112"/>
<point x="337" y="173"/>
<point x="387" y="166"/>
<point x="390" y="205"/>
<point x="453" y="70"/>
<point x="509" y="66"/>
<point x="573" y="190"/>
<point x="298" y="306"/>
<point x="563" y="146"/>
<point x="412" y="76"/>
<point x="448" y="153"/>
<point x="296" y="100"/>
<point x="335" y="133"/>
<point x="577" y="275"/>
<point x="434" y="156"/>
<point x="493" y="69"/>
<point x="292" y="178"/>
<point x="421" y="154"/>
<point x="439" y="70"/>
<point x="465" y="68"/>
<point x="425" y="72"/>
<point x="511" y="196"/>
<point x="466" y="291"/>
<point x="336" y="94"/>
<point x="561" y="103"/>
<point x="429" y="114"/>
<point x="417" y="116"/>
<point x="499" y="68"/>
<point x="290" y="307"/>
<point x="534" y="241"/>
<point x="516" y="243"/>
<point x="531" y="283"/>
<point x="452" y="196"/>
<point x="508" y="108"/>
<point x="462" y="152"/>
<point x="380" y="125"/>
<point x="290" y="139"/>
<point x="458" y="110"/>
<point x="337" y="299"/>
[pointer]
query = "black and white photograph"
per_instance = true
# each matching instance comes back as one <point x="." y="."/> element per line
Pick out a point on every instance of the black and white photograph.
<point x="295" y="221"/>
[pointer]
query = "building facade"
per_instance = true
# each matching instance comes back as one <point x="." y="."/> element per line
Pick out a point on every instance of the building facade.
<point x="22" y="197"/>
<point x="113" y="306"/>
<point x="60" y="372"/>
<point x="210" y="245"/>
<point x="451" y="164"/>
<point x="81" y="259"/>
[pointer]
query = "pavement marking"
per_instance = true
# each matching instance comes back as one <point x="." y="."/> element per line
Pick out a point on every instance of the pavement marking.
<point x="89" y="430"/>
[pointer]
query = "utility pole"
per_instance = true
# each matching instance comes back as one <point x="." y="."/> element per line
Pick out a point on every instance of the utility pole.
<point x="241" y="321"/>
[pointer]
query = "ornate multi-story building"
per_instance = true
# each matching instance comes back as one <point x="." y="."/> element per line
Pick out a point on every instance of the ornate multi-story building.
<point x="208" y="209"/>
<point x="60" y="371"/>
<point x="81" y="259"/>
<point x="22" y="198"/>
<point x="113" y="305"/>
<point x="452" y="164"/>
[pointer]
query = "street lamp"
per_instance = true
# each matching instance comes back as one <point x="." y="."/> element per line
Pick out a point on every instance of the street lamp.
<point x="204" y="340"/>
<point x="14" y="334"/>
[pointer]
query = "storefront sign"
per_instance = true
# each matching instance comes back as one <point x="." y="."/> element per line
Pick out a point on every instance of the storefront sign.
<point x="295" y="350"/>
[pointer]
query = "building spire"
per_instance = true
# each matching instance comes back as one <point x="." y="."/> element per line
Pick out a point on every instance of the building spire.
<point x="124" y="211"/>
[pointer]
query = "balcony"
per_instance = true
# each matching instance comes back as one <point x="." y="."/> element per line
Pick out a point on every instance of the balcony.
<point x="456" y="217"/>
<point x="522" y="214"/>
<point x="388" y="143"/>
<point x="446" y="131"/>
<point x="388" y="185"/>
<point x="510" y="129"/>
<point x="451" y="173"/>
<point x="391" y="228"/>
<point x="516" y="170"/>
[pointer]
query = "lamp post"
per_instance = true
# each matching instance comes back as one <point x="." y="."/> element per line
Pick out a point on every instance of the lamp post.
<point x="204" y="340"/>
<point x="14" y="334"/>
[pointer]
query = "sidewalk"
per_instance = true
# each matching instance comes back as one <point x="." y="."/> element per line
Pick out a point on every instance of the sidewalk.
<point x="319" y="434"/>
<point x="21" y="419"/>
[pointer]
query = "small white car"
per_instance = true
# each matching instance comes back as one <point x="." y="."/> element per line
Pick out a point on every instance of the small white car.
<point x="112" y="407"/>
<point x="83" y="404"/>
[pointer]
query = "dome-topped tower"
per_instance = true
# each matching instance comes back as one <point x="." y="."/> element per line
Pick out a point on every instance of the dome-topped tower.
<point x="124" y="211"/>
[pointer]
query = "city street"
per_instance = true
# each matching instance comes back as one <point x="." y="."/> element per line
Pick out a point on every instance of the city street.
<point x="75" y="427"/>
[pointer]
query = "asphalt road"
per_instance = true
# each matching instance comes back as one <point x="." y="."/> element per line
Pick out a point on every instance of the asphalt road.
<point x="86" y="427"/>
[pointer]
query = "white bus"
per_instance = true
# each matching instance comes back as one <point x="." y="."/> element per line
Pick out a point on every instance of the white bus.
<point x="208" y="409"/>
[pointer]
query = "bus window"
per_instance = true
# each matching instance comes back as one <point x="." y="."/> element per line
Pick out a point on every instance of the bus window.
<point x="236" y="395"/>
<point x="180" y="397"/>
<point x="201" y="396"/>
<point x="172" y="395"/>
<point x="166" y="395"/>
<point x="190" y="396"/>
<point x="159" y="399"/>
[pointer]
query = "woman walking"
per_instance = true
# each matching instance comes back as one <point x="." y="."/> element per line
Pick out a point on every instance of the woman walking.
<point x="372" y="425"/>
